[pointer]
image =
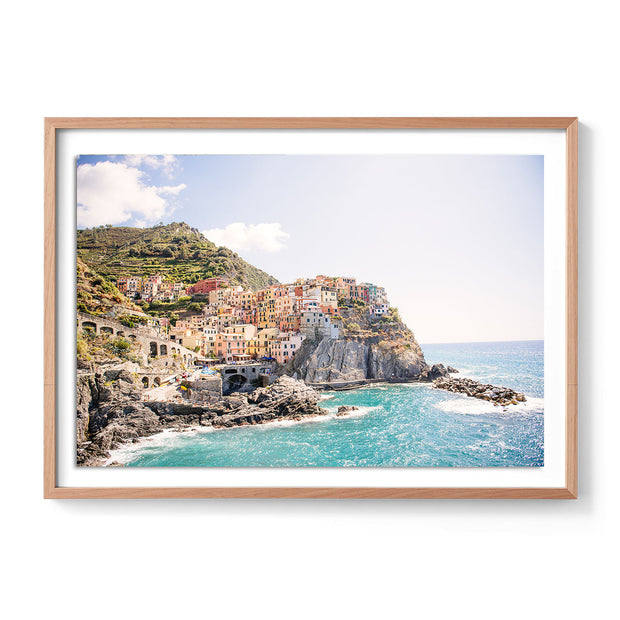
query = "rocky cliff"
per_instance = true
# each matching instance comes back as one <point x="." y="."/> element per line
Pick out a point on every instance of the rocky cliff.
<point x="384" y="349"/>
<point x="355" y="359"/>
<point x="110" y="411"/>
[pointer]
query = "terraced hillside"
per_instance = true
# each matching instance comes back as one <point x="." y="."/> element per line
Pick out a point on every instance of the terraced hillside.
<point x="96" y="294"/>
<point x="176" y="251"/>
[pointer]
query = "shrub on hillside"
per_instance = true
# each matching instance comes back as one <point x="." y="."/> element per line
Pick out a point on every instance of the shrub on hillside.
<point x="119" y="346"/>
<point x="395" y="314"/>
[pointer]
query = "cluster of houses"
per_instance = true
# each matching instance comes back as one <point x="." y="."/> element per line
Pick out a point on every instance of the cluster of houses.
<point x="151" y="288"/>
<point x="238" y="325"/>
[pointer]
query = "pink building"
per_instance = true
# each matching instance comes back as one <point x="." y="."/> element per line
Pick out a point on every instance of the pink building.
<point x="285" y="346"/>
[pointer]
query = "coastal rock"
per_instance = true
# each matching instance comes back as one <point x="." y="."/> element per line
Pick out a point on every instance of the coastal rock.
<point x="452" y="370"/>
<point x="283" y="390"/>
<point x="122" y="372"/>
<point x="285" y="399"/>
<point x="110" y="412"/>
<point x="113" y="424"/>
<point x="434" y="372"/>
<point x="497" y="395"/>
<point x="344" y="360"/>
<point x="344" y="410"/>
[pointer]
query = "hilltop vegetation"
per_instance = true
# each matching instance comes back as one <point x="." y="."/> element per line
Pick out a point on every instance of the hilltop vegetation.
<point x="176" y="251"/>
<point x="96" y="294"/>
<point x="358" y="321"/>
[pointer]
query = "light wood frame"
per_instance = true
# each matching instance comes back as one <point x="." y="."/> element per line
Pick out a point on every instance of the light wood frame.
<point x="51" y="490"/>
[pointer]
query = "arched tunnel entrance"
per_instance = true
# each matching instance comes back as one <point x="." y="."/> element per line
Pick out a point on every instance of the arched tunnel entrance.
<point x="234" y="383"/>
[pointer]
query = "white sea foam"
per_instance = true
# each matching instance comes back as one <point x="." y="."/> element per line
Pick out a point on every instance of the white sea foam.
<point x="375" y="386"/>
<point x="169" y="436"/>
<point x="476" y="406"/>
<point x="126" y="452"/>
<point x="283" y="423"/>
<point x="363" y="411"/>
<point x="358" y="413"/>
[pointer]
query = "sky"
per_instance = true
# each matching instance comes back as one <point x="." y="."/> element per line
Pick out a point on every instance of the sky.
<point x="456" y="240"/>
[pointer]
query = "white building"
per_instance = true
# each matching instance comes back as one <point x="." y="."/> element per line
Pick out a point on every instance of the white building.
<point x="316" y="323"/>
<point x="379" y="310"/>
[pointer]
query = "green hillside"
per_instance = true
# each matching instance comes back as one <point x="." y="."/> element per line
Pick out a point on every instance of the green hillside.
<point x="176" y="251"/>
<point x="96" y="294"/>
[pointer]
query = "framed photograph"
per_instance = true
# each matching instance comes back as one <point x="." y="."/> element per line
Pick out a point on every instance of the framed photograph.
<point x="310" y="308"/>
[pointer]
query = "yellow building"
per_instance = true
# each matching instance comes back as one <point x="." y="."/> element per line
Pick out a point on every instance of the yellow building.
<point x="266" y="315"/>
<point x="253" y="347"/>
<point x="264" y="339"/>
<point x="329" y="297"/>
<point x="246" y="330"/>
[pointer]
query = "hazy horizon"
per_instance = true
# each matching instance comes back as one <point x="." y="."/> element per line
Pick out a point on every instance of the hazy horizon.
<point x="456" y="240"/>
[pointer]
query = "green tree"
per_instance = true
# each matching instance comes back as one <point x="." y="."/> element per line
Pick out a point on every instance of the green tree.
<point x="395" y="314"/>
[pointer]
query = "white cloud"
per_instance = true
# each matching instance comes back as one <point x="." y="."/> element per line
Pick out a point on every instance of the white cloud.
<point x="166" y="163"/>
<point x="113" y="193"/>
<point x="242" y="237"/>
<point x="173" y="191"/>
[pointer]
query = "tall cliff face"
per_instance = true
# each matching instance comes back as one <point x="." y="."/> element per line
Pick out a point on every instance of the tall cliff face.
<point x="359" y="358"/>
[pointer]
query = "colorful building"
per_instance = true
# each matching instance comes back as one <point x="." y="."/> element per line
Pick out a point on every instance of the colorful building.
<point x="284" y="347"/>
<point x="204" y="287"/>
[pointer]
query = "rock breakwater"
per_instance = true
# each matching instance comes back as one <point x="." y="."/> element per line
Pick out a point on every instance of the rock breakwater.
<point x="497" y="395"/>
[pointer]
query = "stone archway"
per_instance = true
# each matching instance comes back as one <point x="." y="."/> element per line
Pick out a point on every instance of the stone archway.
<point x="157" y="382"/>
<point x="105" y="330"/>
<point x="145" y="382"/>
<point x="120" y="333"/>
<point x="237" y="380"/>
<point x="235" y="383"/>
<point x="163" y="349"/>
<point x="89" y="326"/>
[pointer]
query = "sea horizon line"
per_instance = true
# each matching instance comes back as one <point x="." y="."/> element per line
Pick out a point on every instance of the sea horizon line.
<point x="481" y="341"/>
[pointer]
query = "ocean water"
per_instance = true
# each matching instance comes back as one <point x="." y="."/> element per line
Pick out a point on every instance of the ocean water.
<point x="404" y="425"/>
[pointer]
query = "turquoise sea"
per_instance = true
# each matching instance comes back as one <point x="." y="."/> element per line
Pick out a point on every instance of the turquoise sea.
<point x="404" y="425"/>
